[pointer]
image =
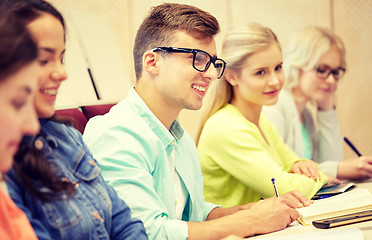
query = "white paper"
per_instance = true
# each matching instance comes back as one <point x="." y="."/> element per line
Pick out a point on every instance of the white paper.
<point x="345" y="234"/>
<point x="357" y="198"/>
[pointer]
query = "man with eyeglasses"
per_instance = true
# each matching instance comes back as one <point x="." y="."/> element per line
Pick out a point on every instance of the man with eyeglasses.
<point x="147" y="156"/>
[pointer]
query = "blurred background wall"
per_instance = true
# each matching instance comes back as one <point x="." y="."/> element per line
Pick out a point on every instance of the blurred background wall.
<point x="101" y="35"/>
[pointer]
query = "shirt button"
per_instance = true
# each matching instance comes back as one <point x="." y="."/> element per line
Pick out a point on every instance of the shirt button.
<point x="65" y="179"/>
<point x="38" y="144"/>
<point x="76" y="184"/>
<point x="92" y="162"/>
<point x="97" y="216"/>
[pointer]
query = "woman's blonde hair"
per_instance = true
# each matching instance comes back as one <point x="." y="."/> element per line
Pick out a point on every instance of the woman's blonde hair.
<point x="238" y="45"/>
<point x="304" y="49"/>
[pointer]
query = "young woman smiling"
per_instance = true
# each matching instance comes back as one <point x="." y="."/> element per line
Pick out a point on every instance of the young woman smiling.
<point x="240" y="150"/>
<point x="55" y="179"/>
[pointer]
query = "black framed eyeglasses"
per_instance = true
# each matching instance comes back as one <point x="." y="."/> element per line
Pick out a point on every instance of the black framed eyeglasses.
<point x="201" y="59"/>
<point x="323" y="72"/>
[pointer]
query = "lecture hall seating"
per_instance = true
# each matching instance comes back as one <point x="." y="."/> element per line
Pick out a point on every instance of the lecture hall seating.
<point x="79" y="116"/>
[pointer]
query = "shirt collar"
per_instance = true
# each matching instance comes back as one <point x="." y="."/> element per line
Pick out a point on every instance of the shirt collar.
<point x="166" y="136"/>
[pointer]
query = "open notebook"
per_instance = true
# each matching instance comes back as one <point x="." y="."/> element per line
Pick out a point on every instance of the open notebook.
<point x="353" y="201"/>
<point x="344" y="234"/>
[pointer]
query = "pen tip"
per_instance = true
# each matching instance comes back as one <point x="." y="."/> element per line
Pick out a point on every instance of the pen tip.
<point x="273" y="179"/>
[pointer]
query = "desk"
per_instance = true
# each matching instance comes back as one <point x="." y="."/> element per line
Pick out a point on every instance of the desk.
<point x="366" y="227"/>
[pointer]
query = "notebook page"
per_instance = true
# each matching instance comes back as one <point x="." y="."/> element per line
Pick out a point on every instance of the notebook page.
<point x="356" y="198"/>
<point x="344" y="234"/>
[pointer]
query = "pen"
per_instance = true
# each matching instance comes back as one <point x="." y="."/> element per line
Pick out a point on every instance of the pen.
<point x="352" y="146"/>
<point x="321" y="197"/>
<point x="275" y="189"/>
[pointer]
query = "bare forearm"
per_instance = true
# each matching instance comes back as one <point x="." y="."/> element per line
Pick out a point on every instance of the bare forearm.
<point x="221" y="212"/>
<point x="222" y="222"/>
<point x="218" y="228"/>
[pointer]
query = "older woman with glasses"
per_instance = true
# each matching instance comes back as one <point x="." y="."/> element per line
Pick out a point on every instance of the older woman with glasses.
<point x="314" y="62"/>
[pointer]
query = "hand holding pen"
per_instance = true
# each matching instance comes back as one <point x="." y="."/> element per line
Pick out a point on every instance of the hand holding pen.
<point x="293" y="198"/>
<point x="359" y="168"/>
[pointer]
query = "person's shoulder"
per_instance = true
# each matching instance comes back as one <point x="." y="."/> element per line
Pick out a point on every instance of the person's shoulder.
<point x="57" y="127"/>
<point x="226" y="122"/>
<point x="216" y="122"/>
<point x="122" y="125"/>
<point x="61" y="133"/>
<point x="227" y="113"/>
<point x="120" y="115"/>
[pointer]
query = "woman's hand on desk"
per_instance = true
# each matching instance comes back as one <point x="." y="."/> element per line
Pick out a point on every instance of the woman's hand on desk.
<point x="307" y="168"/>
<point x="357" y="168"/>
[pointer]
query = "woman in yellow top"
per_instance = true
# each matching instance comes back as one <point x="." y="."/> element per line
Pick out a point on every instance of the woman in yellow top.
<point x="240" y="150"/>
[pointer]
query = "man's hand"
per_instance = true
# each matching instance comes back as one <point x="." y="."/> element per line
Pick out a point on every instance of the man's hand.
<point x="264" y="216"/>
<point x="274" y="213"/>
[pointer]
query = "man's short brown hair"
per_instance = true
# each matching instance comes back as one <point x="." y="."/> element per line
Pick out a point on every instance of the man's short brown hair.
<point x="158" y="27"/>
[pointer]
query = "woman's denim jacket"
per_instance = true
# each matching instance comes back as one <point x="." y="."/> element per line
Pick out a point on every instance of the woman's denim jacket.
<point x="93" y="212"/>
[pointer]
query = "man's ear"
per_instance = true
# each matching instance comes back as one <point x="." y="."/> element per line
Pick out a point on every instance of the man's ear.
<point x="230" y="77"/>
<point x="150" y="62"/>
